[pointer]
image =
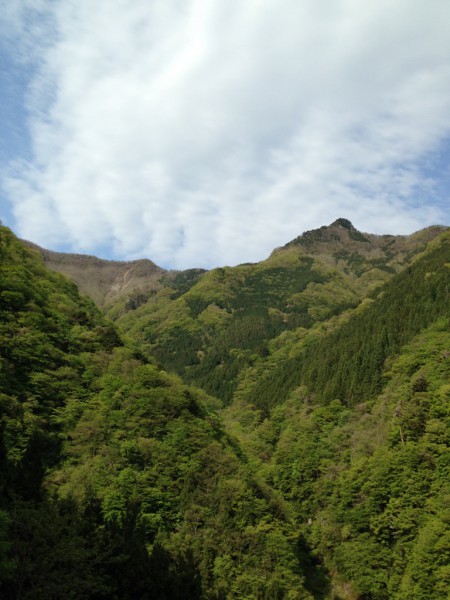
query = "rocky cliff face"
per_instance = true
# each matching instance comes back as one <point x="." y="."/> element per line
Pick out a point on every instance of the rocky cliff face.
<point x="105" y="280"/>
<point x="344" y="246"/>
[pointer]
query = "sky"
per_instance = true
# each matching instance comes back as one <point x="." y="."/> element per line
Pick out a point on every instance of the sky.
<point x="202" y="133"/>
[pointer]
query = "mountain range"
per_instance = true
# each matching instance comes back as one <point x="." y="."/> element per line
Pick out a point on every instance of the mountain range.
<point x="338" y="245"/>
<point x="265" y="431"/>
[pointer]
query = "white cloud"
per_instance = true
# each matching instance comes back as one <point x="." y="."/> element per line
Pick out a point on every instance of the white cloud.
<point x="204" y="133"/>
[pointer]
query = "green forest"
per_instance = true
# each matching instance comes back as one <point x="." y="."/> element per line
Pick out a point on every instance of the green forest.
<point x="277" y="430"/>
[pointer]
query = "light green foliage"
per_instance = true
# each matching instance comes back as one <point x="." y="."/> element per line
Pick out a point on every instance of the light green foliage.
<point x="225" y="322"/>
<point x="369" y="485"/>
<point x="146" y="448"/>
<point x="325" y="476"/>
<point x="118" y="479"/>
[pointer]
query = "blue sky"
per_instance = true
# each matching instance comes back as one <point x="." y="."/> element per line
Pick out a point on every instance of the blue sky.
<point x="201" y="133"/>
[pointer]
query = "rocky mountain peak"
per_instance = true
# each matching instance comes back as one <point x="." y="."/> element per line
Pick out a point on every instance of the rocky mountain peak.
<point x="344" y="223"/>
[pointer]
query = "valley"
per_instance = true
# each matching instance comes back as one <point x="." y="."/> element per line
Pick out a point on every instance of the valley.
<point x="263" y="431"/>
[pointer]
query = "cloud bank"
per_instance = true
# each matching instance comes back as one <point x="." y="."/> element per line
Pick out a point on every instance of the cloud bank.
<point x="202" y="133"/>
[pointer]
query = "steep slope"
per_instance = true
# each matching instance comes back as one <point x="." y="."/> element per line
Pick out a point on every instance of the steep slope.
<point x="370" y="484"/>
<point x="49" y="338"/>
<point x="224" y="322"/>
<point x="48" y="333"/>
<point x="329" y="478"/>
<point x="347" y="361"/>
<point x="357" y="440"/>
<point x="117" y="481"/>
<point x="106" y="281"/>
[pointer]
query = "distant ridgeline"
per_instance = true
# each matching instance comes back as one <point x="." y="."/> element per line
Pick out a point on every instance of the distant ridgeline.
<point x="295" y="446"/>
<point x="228" y="319"/>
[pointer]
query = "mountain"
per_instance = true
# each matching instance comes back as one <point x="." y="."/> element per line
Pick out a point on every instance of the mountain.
<point x="225" y="321"/>
<point x="116" y="480"/>
<point x="267" y="431"/>
<point x="347" y="357"/>
<point x="350" y="423"/>
<point x="107" y="280"/>
<point x="339" y="245"/>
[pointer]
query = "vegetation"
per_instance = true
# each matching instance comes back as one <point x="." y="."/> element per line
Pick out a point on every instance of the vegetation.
<point x="347" y="362"/>
<point x="296" y="444"/>
<point x="117" y="480"/>
<point x="370" y="484"/>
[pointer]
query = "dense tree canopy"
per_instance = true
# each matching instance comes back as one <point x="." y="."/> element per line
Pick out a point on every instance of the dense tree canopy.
<point x="321" y="469"/>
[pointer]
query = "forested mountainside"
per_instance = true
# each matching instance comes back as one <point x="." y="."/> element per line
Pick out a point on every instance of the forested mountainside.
<point x="225" y="322"/>
<point x="311" y="460"/>
<point x="118" y="481"/>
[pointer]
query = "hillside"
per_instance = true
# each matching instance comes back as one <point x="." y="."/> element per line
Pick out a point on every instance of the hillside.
<point x="313" y="464"/>
<point x="117" y="481"/>
<point x="350" y="423"/>
<point x="368" y="484"/>
<point x="224" y="323"/>
<point x="107" y="280"/>
<point x="345" y="358"/>
<point x="340" y="246"/>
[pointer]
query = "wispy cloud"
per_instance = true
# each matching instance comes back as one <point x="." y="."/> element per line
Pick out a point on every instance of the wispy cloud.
<point x="203" y="133"/>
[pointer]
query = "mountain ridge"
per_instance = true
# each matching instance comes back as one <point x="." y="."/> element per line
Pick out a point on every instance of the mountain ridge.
<point x="210" y="326"/>
<point x="322" y="474"/>
<point x="226" y="320"/>
<point x="105" y="281"/>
